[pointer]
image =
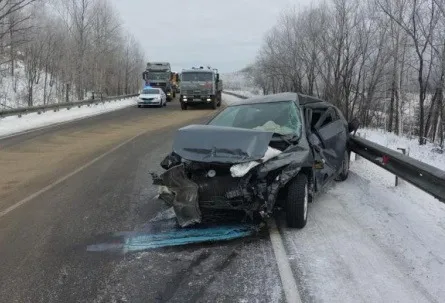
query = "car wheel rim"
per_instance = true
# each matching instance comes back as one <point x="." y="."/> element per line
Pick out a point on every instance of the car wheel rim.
<point x="306" y="198"/>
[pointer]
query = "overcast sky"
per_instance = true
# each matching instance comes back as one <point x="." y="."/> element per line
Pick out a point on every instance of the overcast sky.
<point x="224" y="34"/>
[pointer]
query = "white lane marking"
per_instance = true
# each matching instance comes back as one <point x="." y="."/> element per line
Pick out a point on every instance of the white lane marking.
<point x="64" y="178"/>
<point x="287" y="278"/>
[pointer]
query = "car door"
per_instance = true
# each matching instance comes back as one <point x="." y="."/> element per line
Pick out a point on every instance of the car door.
<point x="333" y="134"/>
<point x="328" y="137"/>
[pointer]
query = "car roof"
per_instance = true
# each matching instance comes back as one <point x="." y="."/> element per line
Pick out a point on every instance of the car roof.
<point x="288" y="96"/>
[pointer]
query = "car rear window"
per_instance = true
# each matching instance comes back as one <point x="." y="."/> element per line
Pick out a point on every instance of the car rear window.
<point x="150" y="91"/>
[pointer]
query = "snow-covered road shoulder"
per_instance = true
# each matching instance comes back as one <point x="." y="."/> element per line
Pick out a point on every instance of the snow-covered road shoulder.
<point x="229" y="99"/>
<point x="14" y="125"/>
<point x="368" y="241"/>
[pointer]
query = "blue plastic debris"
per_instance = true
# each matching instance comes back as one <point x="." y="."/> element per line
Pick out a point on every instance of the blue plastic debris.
<point x="138" y="241"/>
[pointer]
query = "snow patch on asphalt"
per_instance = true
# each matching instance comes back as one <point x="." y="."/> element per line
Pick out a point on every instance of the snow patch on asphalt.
<point x="13" y="124"/>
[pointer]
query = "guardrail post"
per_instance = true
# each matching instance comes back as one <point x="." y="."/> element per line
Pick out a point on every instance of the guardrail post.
<point x="403" y="150"/>
<point x="356" y="156"/>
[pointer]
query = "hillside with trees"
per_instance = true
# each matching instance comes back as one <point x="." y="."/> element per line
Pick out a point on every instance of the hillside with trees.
<point x="59" y="50"/>
<point x="382" y="61"/>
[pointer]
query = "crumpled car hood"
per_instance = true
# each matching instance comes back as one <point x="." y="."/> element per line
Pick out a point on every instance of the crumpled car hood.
<point x="208" y="143"/>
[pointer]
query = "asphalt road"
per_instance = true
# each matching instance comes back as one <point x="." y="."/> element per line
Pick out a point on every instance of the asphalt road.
<point x="43" y="242"/>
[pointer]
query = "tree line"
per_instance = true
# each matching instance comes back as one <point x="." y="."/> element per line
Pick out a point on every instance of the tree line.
<point x="68" y="47"/>
<point x="382" y="61"/>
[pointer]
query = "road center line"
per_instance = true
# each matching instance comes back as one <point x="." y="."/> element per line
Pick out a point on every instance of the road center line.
<point x="287" y="278"/>
<point x="57" y="182"/>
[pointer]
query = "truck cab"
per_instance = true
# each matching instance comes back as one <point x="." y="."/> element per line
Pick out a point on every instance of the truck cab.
<point x="158" y="74"/>
<point x="200" y="86"/>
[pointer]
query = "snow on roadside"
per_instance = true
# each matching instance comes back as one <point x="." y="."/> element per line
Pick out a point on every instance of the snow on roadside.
<point x="368" y="241"/>
<point x="422" y="153"/>
<point x="229" y="99"/>
<point x="13" y="124"/>
<point x="246" y="93"/>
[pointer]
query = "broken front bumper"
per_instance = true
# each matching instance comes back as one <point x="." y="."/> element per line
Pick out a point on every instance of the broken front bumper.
<point x="189" y="196"/>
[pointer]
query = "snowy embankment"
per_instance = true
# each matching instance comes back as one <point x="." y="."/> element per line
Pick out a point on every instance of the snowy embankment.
<point x="246" y="93"/>
<point x="13" y="124"/>
<point x="229" y="99"/>
<point x="428" y="153"/>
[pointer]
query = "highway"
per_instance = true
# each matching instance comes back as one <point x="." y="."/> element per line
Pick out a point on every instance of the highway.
<point x="67" y="187"/>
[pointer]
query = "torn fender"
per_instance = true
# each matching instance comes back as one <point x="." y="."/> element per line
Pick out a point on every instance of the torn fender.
<point x="185" y="203"/>
<point x="297" y="156"/>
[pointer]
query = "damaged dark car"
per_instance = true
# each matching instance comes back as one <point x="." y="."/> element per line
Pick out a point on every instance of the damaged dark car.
<point x="255" y="155"/>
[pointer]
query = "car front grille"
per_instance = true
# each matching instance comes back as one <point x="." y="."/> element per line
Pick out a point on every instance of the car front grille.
<point x="197" y="93"/>
<point x="148" y="99"/>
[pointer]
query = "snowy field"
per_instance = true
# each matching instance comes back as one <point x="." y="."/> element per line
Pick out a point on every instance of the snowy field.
<point x="13" y="124"/>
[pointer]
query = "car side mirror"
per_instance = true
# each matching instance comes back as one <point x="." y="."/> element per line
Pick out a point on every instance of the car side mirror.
<point x="353" y="125"/>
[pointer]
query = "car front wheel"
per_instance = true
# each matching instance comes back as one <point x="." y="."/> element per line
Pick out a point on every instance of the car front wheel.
<point x="297" y="201"/>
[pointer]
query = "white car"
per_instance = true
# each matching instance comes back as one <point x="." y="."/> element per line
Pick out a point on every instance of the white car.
<point x="152" y="97"/>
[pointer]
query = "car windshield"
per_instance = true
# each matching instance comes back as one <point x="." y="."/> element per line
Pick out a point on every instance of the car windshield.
<point x="278" y="117"/>
<point x="150" y="91"/>
<point x="197" y="76"/>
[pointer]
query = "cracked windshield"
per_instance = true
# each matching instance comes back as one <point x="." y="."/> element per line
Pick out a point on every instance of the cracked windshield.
<point x="222" y="151"/>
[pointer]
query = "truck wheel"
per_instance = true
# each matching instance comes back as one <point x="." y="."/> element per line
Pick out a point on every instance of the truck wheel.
<point x="297" y="201"/>
<point x="344" y="168"/>
<point x="214" y="103"/>
<point x="183" y="106"/>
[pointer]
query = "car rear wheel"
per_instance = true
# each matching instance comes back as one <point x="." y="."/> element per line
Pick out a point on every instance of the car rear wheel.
<point x="297" y="201"/>
<point x="344" y="168"/>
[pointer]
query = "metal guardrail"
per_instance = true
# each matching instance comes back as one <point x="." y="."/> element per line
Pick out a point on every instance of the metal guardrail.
<point x="424" y="176"/>
<point x="235" y="95"/>
<point x="57" y="106"/>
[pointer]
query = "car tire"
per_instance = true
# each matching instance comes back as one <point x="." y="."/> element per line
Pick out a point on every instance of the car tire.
<point x="165" y="103"/>
<point x="183" y="106"/>
<point x="297" y="201"/>
<point x="344" y="168"/>
<point x="214" y="103"/>
<point x="139" y="106"/>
